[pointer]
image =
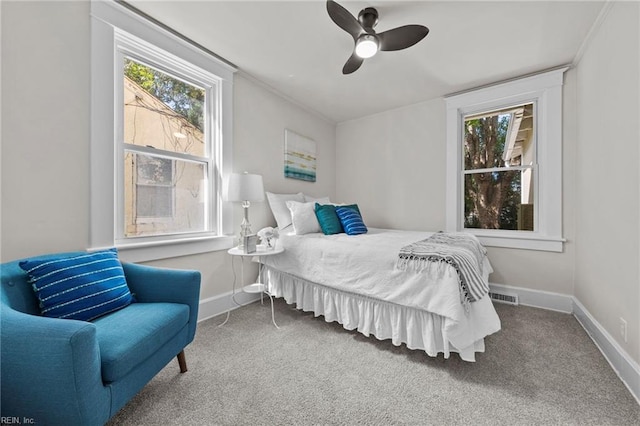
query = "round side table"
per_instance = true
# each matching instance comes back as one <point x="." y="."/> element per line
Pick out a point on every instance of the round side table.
<point x="256" y="287"/>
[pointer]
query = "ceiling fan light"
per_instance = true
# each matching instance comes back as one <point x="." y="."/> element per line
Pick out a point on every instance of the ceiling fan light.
<point x="366" y="46"/>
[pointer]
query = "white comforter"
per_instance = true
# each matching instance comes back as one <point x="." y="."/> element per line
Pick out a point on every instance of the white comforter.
<point x="365" y="265"/>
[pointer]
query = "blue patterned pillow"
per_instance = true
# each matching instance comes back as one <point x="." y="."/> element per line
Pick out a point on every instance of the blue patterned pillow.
<point x="351" y="220"/>
<point x="80" y="287"/>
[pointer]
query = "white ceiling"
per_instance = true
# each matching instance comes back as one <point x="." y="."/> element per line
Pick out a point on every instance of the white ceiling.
<point x="295" y="48"/>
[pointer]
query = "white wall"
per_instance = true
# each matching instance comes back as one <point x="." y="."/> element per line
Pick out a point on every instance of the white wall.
<point x="45" y="140"/>
<point x="392" y="165"/>
<point x="607" y="279"/>
<point x="260" y="118"/>
<point x="45" y="131"/>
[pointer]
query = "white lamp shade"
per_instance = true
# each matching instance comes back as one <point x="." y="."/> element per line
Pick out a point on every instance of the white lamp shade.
<point x="245" y="187"/>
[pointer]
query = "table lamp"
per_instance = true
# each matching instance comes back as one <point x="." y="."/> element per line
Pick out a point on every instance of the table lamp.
<point x="245" y="188"/>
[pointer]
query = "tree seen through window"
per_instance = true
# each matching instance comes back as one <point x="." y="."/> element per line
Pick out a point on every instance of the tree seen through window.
<point x="497" y="184"/>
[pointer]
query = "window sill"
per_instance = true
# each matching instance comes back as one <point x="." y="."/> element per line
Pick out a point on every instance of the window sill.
<point x="533" y="242"/>
<point x="156" y="250"/>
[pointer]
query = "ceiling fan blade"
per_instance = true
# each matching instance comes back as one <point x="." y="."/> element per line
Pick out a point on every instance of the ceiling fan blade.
<point x="353" y="63"/>
<point x="402" y="37"/>
<point x="344" y="19"/>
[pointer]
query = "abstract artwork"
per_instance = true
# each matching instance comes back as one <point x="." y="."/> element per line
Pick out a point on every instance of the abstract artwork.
<point x="299" y="157"/>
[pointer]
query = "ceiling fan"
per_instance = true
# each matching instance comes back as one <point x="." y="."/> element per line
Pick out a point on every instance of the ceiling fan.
<point x="367" y="42"/>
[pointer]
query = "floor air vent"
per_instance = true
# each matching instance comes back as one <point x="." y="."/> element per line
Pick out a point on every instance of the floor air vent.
<point x="509" y="298"/>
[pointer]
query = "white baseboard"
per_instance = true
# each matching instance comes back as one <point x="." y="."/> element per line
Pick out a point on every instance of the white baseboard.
<point x="625" y="367"/>
<point x="214" y="306"/>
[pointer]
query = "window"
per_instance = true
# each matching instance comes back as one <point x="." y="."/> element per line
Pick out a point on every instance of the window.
<point x="498" y="168"/>
<point x="160" y="140"/>
<point x="504" y="148"/>
<point x="166" y="145"/>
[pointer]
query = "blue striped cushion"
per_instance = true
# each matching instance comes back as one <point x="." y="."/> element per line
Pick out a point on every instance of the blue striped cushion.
<point x="351" y="220"/>
<point x="79" y="286"/>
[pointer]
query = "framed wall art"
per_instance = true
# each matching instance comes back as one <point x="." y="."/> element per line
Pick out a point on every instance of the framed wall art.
<point x="299" y="157"/>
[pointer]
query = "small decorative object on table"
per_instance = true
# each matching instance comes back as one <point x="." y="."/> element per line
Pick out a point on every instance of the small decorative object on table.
<point x="250" y="243"/>
<point x="268" y="237"/>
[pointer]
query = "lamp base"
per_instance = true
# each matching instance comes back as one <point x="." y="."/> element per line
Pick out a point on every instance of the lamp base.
<point x="245" y="226"/>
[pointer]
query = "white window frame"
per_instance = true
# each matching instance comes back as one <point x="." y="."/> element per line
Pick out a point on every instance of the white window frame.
<point x="128" y="46"/>
<point x="113" y="25"/>
<point x="545" y="91"/>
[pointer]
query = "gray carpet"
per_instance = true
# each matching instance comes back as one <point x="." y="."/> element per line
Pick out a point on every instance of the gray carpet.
<point x="541" y="368"/>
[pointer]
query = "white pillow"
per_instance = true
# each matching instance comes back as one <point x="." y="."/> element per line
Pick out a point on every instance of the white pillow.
<point x="320" y="200"/>
<point x="304" y="217"/>
<point x="278" y="205"/>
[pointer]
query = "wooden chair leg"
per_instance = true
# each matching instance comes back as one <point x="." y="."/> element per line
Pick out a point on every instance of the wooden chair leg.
<point x="182" y="361"/>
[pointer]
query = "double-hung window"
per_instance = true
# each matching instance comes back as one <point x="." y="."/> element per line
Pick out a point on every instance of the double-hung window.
<point x="161" y="135"/>
<point x="499" y="168"/>
<point x="504" y="163"/>
<point x="163" y="122"/>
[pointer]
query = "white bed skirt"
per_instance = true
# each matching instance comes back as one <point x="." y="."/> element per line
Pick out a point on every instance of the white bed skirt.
<point x="416" y="328"/>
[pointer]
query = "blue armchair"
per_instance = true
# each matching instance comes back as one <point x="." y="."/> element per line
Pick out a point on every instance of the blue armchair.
<point x="68" y="372"/>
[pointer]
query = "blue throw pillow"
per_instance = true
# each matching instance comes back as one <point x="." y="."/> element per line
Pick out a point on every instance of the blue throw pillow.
<point x="351" y="220"/>
<point x="328" y="219"/>
<point x="80" y="287"/>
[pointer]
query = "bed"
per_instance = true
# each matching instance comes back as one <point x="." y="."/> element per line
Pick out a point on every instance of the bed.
<point x="355" y="280"/>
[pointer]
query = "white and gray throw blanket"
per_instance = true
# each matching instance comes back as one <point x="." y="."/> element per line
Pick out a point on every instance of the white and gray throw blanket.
<point x="461" y="250"/>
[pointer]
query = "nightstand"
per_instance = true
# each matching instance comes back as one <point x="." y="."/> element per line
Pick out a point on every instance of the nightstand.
<point x="257" y="287"/>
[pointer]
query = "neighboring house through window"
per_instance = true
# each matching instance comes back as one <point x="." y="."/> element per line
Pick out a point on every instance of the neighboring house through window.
<point x="166" y="148"/>
<point x="161" y="135"/>
<point x="504" y="162"/>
